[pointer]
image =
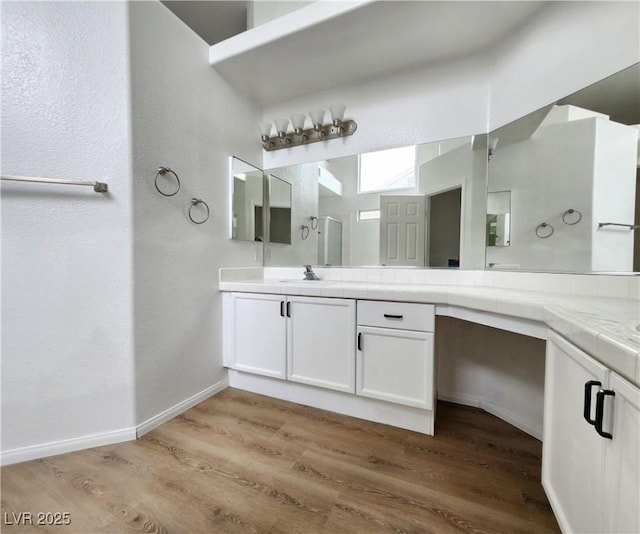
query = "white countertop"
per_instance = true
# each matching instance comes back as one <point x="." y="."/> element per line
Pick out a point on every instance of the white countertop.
<point x="603" y="327"/>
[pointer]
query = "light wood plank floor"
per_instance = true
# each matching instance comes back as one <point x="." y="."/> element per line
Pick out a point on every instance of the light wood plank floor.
<point x="241" y="462"/>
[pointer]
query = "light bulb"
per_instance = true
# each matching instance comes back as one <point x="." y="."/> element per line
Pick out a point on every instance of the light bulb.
<point x="265" y="131"/>
<point x="337" y="113"/>
<point x="297" y="119"/>
<point x="317" y="118"/>
<point x="282" y="125"/>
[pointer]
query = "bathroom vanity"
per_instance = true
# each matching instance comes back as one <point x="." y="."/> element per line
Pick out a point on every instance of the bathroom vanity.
<point x="369" y="359"/>
<point x="366" y="349"/>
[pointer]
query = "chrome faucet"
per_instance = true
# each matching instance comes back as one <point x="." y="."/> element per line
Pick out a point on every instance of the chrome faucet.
<point x="309" y="274"/>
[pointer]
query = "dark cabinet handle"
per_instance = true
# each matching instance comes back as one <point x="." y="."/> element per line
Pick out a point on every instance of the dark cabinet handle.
<point x="282" y="308"/>
<point x="390" y="316"/>
<point x="288" y="309"/>
<point x="587" y="400"/>
<point x="600" y="411"/>
<point x="359" y="340"/>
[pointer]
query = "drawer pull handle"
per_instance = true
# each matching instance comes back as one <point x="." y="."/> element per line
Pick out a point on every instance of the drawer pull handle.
<point x="282" y="308"/>
<point x="359" y="340"/>
<point x="600" y="411"/>
<point x="288" y="309"/>
<point x="587" y="400"/>
<point x="391" y="316"/>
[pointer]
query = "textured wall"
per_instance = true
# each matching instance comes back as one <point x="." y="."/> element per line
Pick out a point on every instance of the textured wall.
<point x="184" y="116"/>
<point x="66" y="251"/>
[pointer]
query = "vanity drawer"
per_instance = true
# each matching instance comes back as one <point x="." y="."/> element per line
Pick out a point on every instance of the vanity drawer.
<point x="402" y="315"/>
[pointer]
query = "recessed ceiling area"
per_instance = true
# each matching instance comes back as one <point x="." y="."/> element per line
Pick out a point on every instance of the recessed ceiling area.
<point x="370" y="41"/>
<point x="213" y="21"/>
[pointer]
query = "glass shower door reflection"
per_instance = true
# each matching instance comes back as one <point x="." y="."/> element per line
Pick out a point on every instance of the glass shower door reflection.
<point x="329" y="241"/>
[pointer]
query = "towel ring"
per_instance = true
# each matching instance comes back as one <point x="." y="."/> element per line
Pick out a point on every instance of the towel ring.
<point x="195" y="202"/>
<point x="161" y="172"/>
<point x="571" y="212"/>
<point x="304" y="230"/>
<point x="314" y="222"/>
<point x="544" y="225"/>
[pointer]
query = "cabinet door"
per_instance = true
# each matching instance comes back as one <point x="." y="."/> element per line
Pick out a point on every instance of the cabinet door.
<point x="621" y="500"/>
<point x="395" y="365"/>
<point x="321" y="342"/>
<point x="260" y="334"/>
<point x="572" y="451"/>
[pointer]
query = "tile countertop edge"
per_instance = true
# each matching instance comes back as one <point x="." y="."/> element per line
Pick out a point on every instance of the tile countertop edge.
<point x="581" y="320"/>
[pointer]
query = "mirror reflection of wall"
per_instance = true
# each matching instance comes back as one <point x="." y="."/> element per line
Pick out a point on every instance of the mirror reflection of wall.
<point x="571" y="166"/>
<point x="302" y="182"/>
<point x="247" y="201"/>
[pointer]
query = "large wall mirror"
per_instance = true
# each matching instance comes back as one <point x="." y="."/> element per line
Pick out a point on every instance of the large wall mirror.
<point x="418" y="206"/>
<point x="571" y="170"/>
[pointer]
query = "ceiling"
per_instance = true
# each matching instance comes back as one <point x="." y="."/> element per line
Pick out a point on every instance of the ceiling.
<point x="213" y="21"/>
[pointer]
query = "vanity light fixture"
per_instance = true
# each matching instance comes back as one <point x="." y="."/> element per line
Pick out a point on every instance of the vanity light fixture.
<point x="301" y="136"/>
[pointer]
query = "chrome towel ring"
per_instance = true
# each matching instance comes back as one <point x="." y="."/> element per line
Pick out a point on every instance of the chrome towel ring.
<point x="568" y="214"/>
<point x="162" y="171"/>
<point x="542" y="232"/>
<point x="304" y="230"/>
<point x="195" y="202"/>
<point x="314" y="222"/>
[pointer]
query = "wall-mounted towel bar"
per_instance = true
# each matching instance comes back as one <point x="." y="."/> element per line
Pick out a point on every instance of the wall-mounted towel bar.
<point x="98" y="187"/>
<point x="629" y="226"/>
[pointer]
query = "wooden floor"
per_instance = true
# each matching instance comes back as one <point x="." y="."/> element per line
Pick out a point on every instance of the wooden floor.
<point x="241" y="462"/>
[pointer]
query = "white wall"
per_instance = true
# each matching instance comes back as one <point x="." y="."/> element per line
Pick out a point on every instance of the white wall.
<point x="67" y="321"/>
<point x="262" y="11"/>
<point x="565" y="48"/>
<point x="186" y="117"/>
<point x="415" y="107"/>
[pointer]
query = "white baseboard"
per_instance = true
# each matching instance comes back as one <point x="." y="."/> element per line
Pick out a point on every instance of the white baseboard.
<point x="457" y="398"/>
<point x="33" y="452"/>
<point x="488" y="406"/>
<point x="181" y="407"/>
<point x="388" y="413"/>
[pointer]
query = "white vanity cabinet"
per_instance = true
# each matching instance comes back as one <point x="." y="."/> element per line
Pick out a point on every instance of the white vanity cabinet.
<point x="321" y="342"/>
<point x="256" y="335"/>
<point x="394" y="361"/>
<point x="591" y="446"/>
<point x="310" y="340"/>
